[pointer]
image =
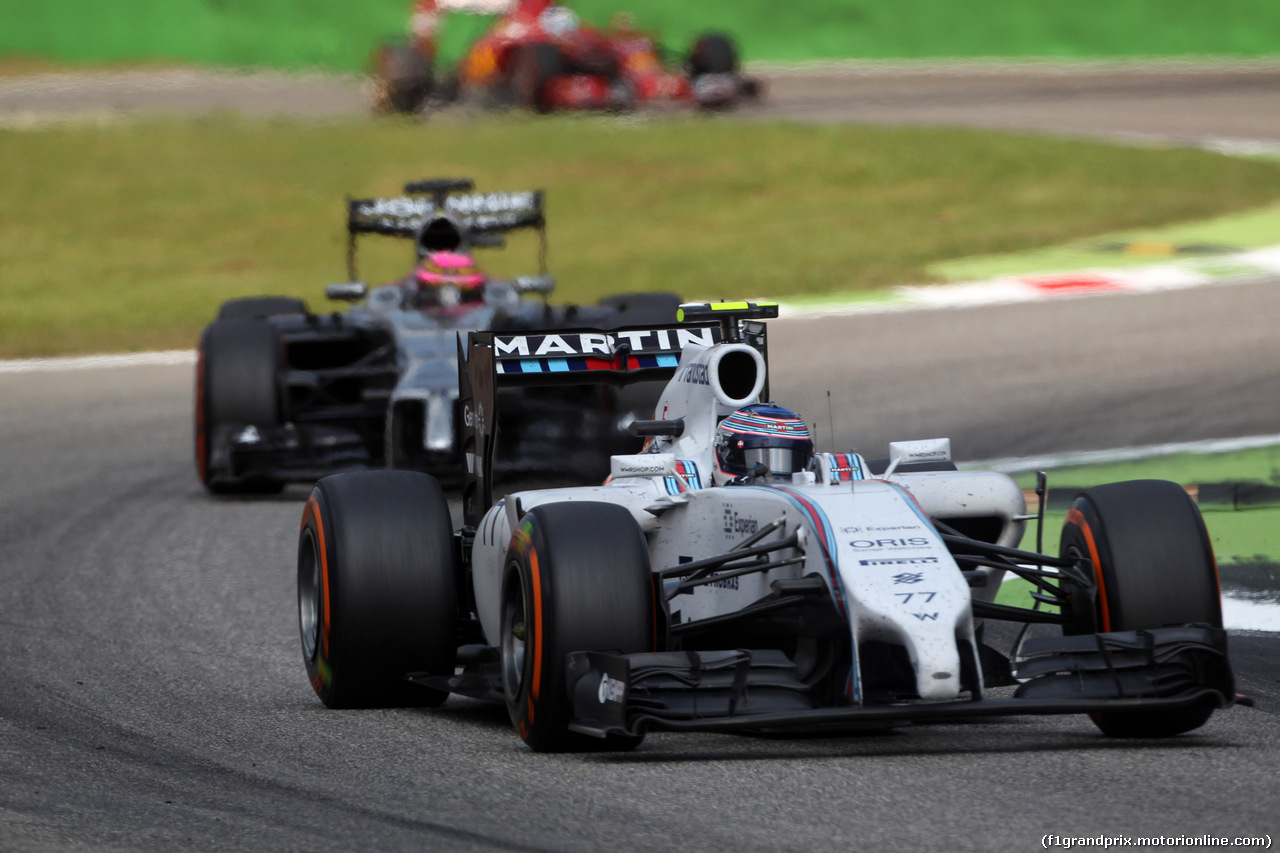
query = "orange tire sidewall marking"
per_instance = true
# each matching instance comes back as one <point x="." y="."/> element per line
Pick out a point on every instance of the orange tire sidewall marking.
<point x="201" y="464"/>
<point x="312" y="511"/>
<point x="1074" y="516"/>
<point x="653" y="591"/>
<point x="536" y="577"/>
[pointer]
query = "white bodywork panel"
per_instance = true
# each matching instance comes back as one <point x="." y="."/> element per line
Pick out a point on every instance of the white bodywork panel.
<point x="890" y="574"/>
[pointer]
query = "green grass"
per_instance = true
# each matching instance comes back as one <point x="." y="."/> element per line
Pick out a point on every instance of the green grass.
<point x="1237" y="232"/>
<point x="339" y="34"/>
<point x="127" y="235"/>
<point x="1246" y="542"/>
<point x="1254" y="465"/>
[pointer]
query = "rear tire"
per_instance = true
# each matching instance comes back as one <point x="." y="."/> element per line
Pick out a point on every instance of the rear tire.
<point x="237" y="369"/>
<point x="1154" y="566"/>
<point x="645" y="308"/>
<point x="261" y="306"/>
<point x="402" y="79"/>
<point x="712" y="53"/>
<point x="532" y="68"/>
<point x="377" y="589"/>
<point x="577" y="579"/>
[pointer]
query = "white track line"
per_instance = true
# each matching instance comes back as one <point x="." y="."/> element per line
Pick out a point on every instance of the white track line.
<point x="1122" y="454"/>
<point x="95" y="362"/>
<point x="1180" y="274"/>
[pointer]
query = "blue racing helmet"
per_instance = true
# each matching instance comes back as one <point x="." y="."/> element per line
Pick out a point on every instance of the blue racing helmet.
<point x="763" y="434"/>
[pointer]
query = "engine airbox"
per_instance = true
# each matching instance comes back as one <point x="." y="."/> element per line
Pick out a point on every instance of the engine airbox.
<point x="736" y="373"/>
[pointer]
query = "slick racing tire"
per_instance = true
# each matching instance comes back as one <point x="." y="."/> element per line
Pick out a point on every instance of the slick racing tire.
<point x="712" y="53"/>
<point x="237" y="367"/>
<point x="531" y="70"/>
<point x="577" y="578"/>
<point x="643" y="309"/>
<point x="1153" y="566"/>
<point x="261" y="306"/>
<point x="377" y="589"/>
<point x="402" y="79"/>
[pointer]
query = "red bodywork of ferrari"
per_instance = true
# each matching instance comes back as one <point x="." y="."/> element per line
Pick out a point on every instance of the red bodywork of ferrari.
<point x="538" y="54"/>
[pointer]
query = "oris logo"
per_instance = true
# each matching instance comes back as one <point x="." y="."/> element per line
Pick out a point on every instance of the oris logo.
<point x="889" y="543"/>
<point x="611" y="689"/>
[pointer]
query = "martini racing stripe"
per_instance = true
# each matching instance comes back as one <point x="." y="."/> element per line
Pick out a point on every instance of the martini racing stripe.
<point x="915" y="507"/>
<point x="825" y="535"/>
<point x="748" y="423"/>
<point x="575" y="365"/>
<point x="827" y="542"/>
<point x="686" y="478"/>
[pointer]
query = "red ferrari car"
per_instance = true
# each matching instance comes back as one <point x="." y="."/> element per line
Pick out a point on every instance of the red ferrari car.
<point x="538" y="54"/>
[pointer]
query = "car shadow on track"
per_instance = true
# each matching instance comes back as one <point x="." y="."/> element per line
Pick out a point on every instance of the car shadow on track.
<point x="988" y="739"/>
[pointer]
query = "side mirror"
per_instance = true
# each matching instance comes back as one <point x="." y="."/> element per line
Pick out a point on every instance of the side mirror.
<point x="540" y="284"/>
<point x="929" y="450"/>
<point x="348" y="291"/>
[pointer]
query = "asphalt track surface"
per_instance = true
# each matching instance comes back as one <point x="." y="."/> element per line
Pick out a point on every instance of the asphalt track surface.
<point x="152" y="696"/>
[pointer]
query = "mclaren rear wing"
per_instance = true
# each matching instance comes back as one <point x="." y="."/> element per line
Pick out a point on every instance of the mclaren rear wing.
<point x="489" y="361"/>
<point x="485" y="216"/>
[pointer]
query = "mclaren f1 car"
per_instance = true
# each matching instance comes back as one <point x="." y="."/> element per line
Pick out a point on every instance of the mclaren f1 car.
<point x="284" y="394"/>
<point x="730" y="578"/>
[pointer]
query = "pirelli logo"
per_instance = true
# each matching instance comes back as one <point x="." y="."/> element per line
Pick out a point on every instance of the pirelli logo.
<point x="898" y="561"/>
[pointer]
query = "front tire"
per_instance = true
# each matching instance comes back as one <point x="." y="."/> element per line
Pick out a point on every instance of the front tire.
<point x="377" y="589"/>
<point x="1153" y="566"/>
<point x="577" y="578"/>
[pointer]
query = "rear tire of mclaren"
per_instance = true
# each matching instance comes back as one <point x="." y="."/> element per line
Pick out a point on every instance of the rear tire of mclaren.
<point x="261" y="306"/>
<point x="1154" y="566"/>
<point x="577" y="578"/>
<point x="377" y="589"/>
<point x="644" y="308"/>
<point x="237" y="369"/>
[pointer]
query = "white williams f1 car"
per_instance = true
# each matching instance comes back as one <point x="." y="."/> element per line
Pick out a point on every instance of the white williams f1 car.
<point x="730" y="578"/>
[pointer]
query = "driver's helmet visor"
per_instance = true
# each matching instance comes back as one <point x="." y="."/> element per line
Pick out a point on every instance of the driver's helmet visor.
<point x="779" y="460"/>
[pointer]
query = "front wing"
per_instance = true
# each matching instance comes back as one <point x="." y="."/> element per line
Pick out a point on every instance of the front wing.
<point x="760" y="690"/>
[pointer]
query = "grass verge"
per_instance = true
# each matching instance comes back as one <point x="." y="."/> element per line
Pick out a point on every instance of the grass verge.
<point x="1239" y="495"/>
<point x="126" y="235"/>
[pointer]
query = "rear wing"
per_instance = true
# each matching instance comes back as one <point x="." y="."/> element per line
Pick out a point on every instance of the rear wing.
<point x="489" y="361"/>
<point x="482" y="215"/>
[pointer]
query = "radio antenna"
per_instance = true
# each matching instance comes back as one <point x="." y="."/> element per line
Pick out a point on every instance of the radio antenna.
<point x="831" y="421"/>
